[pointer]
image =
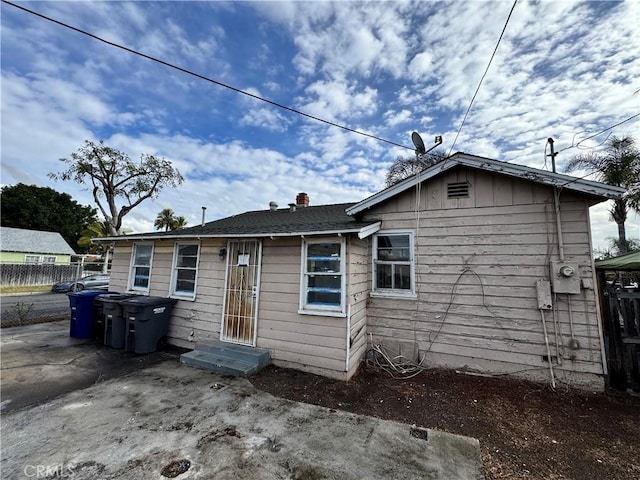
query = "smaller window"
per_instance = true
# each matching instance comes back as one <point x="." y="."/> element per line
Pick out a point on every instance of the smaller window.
<point x="49" y="260"/>
<point x="32" y="259"/>
<point x="458" y="190"/>
<point x="185" y="269"/>
<point x="141" y="266"/>
<point x="322" y="276"/>
<point x="393" y="264"/>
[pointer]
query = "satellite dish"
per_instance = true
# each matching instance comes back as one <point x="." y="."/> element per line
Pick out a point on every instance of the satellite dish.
<point x="419" y="144"/>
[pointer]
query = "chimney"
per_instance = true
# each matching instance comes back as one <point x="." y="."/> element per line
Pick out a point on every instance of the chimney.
<point x="302" y="200"/>
<point x="273" y="206"/>
<point x="203" y="210"/>
<point x="292" y="207"/>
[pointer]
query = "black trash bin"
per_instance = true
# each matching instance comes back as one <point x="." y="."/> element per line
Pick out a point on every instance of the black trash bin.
<point x="147" y="321"/>
<point x="82" y="316"/>
<point x="113" y="321"/>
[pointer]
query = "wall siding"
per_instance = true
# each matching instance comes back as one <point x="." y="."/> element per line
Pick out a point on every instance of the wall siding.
<point x="478" y="259"/>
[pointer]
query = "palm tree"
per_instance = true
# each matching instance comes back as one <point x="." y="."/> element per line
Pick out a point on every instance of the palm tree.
<point x="405" y="167"/>
<point x="619" y="165"/>
<point x="179" y="222"/>
<point x="94" y="230"/>
<point x="165" y="219"/>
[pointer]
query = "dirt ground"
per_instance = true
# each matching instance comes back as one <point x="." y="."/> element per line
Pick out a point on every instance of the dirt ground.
<point x="526" y="430"/>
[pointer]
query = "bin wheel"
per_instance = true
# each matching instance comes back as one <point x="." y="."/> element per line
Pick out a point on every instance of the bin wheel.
<point x="78" y="287"/>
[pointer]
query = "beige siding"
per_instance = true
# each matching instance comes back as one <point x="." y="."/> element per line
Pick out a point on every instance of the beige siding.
<point x="478" y="260"/>
<point x="308" y="342"/>
<point x="358" y="289"/>
<point x="191" y="320"/>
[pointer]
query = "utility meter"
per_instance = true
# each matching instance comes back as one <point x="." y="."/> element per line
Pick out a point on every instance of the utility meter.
<point x="565" y="277"/>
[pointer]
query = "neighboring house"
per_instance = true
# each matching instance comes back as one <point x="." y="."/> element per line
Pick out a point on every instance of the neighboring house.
<point x="19" y="245"/>
<point x="447" y="267"/>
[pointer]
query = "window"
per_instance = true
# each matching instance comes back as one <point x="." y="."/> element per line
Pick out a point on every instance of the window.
<point x="322" y="288"/>
<point x="141" y="266"/>
<point x="49" y="260"/>
<point x="185" y="269"/>
<point x="393" y="264"/>
<point x="32" y="259"/>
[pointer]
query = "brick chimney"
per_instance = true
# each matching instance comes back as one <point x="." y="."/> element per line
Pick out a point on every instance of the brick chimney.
<point x="302" y="200"/>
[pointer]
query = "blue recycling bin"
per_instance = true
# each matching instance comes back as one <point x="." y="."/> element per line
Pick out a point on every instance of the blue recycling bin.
<point x="82" y="320"/>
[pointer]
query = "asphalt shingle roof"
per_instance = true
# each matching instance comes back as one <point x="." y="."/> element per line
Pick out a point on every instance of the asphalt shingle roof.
<point x="33" y="241"/>
<point x="283" y="221"/>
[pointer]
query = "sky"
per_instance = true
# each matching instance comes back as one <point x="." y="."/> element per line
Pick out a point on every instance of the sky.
<point x="563" y="69"/>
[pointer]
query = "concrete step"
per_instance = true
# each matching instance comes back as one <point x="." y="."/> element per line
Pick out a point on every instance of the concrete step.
<point x="227" y="358"/>
<point x="260" y="356"/>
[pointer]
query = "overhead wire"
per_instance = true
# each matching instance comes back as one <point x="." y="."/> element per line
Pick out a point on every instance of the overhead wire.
<point x="464" y="119"/>
<point x="203" y="77"/>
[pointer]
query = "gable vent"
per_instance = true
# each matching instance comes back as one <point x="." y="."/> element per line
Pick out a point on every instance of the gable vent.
<point x="458" y="190"/>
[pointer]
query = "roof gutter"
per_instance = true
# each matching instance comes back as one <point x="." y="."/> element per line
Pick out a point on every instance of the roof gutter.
<point x="362" y="232"/>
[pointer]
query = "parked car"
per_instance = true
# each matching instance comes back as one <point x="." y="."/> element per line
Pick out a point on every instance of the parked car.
<point x="91" y="282"/>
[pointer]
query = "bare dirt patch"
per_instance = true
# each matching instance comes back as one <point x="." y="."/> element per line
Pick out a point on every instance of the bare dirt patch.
<point x="526" y="430"/>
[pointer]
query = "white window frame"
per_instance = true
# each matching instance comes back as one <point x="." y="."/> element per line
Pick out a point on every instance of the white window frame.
<point x="175" y="269"/>
<point x="133" y="266"/>
<point x="393" y="292"/>
<point x="49" y="259"/>
<point x="328" y="310"/>
<point x="32" y="259"/>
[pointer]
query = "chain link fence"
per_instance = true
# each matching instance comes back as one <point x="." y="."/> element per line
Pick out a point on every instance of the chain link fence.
<point x="30" y="300"/>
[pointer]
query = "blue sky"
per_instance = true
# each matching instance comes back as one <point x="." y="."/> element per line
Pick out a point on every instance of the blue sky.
<point x="563" y="69"/>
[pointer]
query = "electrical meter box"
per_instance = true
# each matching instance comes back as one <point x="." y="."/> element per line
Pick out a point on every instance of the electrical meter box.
<point x="565" y="277"/>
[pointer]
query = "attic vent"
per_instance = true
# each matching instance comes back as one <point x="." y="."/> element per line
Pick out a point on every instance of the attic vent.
<point x="458" y="190"/>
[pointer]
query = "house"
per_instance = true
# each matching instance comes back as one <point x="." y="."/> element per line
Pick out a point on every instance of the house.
<point x="19" y="245"/>
<point x="474" y="264"/>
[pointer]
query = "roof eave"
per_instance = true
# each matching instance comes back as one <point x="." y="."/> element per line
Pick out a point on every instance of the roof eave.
<point x="552" y="179"/>
<point x="143" y="237"/>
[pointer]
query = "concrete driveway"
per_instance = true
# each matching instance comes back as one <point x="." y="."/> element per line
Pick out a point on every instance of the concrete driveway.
<point x="156" y="418"/>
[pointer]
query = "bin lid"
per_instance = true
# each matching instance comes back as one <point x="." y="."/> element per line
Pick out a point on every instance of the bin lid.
<point x="88" y="293"/>
<point x="144" y="301"/>
<point x="113" y="297"/>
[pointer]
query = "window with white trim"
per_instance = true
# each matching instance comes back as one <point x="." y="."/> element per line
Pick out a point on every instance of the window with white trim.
<point x="49" y="260"/>
<point x="32" y="259"/>
<point x="393" y="268"/>
<point x="185" y="270"/>
<point x="140" y="274"/>
<point x="323" y="266"/>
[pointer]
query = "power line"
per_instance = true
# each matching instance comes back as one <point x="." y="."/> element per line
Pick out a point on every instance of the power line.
<point x="483" y="75"/>
<point x="202" y="77"/>
<point x="600" y="132"/>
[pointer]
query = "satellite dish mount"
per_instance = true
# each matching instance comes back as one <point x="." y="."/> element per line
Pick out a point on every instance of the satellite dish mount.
<point x="421" y="150"/>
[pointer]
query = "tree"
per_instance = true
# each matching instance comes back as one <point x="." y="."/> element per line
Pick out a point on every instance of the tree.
<point x="180" y="222"/>
<point x="44" y="209"/>
<point x="114" y="176"/>
<point x="405" y="167"/>
<point x="94" y="230"/>
<point x="618" y="165"/>
<point x="167" y="219"/>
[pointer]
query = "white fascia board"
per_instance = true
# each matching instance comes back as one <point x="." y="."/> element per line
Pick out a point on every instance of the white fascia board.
<point x="369" y="230"/>
<point x="519" y="171"/>
<point x="143" y="237"/>
<point x="541" y="176"/>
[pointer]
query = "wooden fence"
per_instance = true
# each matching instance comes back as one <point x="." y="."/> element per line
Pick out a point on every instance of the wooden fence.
<point x="621" y="318"/>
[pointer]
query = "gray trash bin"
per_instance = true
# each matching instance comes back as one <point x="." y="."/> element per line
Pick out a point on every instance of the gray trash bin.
<point x="147" y="321"/>
<point x="114" y="320"/>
